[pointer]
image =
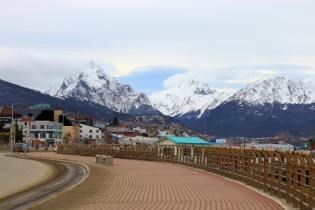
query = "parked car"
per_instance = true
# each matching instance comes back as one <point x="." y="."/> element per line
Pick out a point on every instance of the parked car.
<point x="21" y="147"/>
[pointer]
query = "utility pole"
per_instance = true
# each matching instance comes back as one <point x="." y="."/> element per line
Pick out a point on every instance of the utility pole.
<point x="12" y="130"/>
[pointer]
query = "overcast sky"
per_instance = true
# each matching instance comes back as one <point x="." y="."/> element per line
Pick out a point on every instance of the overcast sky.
<point x="153" y="44"/>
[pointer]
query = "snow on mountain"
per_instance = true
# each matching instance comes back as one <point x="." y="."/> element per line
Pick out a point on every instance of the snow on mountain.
<point x="94" y="85"/>
<point x="276" y="90"/>
<point x="191" y="96"/>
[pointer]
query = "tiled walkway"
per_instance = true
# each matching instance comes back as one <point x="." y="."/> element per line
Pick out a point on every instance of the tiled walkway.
<point x="135" y="184"/>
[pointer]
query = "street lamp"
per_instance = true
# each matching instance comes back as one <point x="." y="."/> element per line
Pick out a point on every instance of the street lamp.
<point x="12" y="132"/>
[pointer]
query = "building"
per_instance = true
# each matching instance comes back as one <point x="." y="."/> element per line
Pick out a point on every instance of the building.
<point x="52" y="127"/>
<point x="276" y="146"/>
<point x="42" y="132"/>
<point x="6" y="114"/>
<point x="137" y="140"/>
<point x="218" y="141"/>
<point x="174" y="140"/>
<point x="84" y="119"/>
<point x="116" y="128"/>
<point x="41" y="106"/>
<point x="91" y="134"/>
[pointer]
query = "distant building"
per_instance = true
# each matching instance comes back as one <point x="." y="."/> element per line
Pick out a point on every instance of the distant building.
<point x="52" y="127"/>
<point x="45" y="129"/>
<point x="279" y="146"/>
<point x="218" y="141"/>
<point x="85" y="119"/>
<point x="41" y="106"/>
<point x="91" y="133"/>
<point x="137" y="140"/>
<point x="116" y="128"/>
<point x="174" y="140"/>
<point x="6" y="114"/>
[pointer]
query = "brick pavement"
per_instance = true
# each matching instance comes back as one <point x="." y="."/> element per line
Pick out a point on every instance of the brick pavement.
<point x="136" y="184"/>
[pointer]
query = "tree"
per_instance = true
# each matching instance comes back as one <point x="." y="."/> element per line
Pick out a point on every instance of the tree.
<point x="2" y="124"/>
<point x="18" y="132"/>
<point x="67" y="138"/>
<point x="3" y="130"/>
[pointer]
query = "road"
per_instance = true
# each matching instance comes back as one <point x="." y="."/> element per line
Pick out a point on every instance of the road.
<point x="17" y="175"/>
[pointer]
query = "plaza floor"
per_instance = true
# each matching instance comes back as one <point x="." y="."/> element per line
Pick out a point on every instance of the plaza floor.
<point x="136" y="184"/>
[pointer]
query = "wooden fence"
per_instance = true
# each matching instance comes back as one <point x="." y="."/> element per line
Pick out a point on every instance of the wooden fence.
<point x="282" y="174"/>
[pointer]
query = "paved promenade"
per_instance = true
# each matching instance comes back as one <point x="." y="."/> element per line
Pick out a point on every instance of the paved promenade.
<point x="135" y="184"/>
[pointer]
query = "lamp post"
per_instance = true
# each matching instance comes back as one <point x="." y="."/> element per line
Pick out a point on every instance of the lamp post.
<point x="12" y="132"/>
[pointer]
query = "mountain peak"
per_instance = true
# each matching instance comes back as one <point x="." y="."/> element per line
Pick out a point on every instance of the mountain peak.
<point x="94" y="85"/>
<point x="188" y="96"/>
<point x="94" y="65"/>
<point x="276" y="90"/>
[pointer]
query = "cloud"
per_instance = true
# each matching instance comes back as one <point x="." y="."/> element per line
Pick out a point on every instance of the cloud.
<point x="41" y="71"/>
<point x="150" y="79"/>
<point x="237" y="77"/>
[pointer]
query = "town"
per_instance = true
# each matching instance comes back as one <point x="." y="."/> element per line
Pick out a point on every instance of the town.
<point x="52" y="127"/>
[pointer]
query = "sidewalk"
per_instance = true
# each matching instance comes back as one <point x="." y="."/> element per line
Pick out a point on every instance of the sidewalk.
<point x="135" y="184"/>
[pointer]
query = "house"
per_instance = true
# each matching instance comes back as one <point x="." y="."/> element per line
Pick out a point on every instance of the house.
<point x="218" y="141"/>
<point x="91" y="133"/>
<point x="6" y="114"/>
<point x="116" y="128"/>
<point x="275" y="145"/>
<point x="175" y="140"/>
<point x="84" y="119"/>
<point x="41" y="106"/>
<point x="140" y="140"/>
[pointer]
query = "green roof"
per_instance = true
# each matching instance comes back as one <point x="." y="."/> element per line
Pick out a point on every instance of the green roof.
<point x="186" y="140"/>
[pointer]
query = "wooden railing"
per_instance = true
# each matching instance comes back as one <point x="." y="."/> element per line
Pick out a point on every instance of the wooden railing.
<point x="283" y="174"/>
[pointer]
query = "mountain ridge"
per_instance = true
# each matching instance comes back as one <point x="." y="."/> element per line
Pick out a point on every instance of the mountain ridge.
<point x="94" y="85"/>
<point x="189" y="99"/>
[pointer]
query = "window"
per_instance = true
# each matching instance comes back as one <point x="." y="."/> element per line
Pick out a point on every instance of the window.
<point x="80" y="136"/>
<point x="90" y="131"/>
<point x="25" y="123"/>
<point x="96" y="136"/>
<point x="90" y="136"/>
<point x="42" y="127"/>
<point x="97" y="131"/>
<point x="80" y="131"/>
<point x="33" y="126"/>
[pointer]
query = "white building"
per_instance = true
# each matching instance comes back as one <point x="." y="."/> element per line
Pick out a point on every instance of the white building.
<point x="280" y="146"/>
<point x="47" y="132"/>
<point x="143" y="140"/>
<point x="91" y="133"/>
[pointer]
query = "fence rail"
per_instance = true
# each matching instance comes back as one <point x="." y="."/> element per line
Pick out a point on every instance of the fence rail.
<point x="283" y="174"/>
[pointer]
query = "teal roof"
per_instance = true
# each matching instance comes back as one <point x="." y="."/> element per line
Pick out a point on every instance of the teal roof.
<point x="186" y="140"/>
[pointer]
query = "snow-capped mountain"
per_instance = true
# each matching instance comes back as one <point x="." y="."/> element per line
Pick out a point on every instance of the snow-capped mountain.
<point x="276" y="90"/>
<point x="94" y="85"/>
<point x="190" y="98"/>
<point x="264" y="108"/>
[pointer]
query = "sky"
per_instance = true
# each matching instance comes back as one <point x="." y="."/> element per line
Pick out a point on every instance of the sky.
<point x="154" y="45"/>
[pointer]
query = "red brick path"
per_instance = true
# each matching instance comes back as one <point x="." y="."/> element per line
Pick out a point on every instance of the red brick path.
<point x="135" y="184"/>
